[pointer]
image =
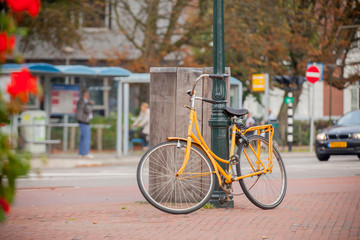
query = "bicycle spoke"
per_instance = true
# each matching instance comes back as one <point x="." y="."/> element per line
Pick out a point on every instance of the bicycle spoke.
<point x="159" y="183"/>
<point x="268" y="189"/>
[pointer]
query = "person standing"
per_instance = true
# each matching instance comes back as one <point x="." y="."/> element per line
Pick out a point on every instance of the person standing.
<point x="270" y="116"/>
<point x="84" y="108"/>
<point x="250" y="121"/>
<point x="143" y="122"/>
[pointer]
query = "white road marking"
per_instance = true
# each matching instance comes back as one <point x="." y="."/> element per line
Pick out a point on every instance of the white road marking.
<point x="78" y="174"/>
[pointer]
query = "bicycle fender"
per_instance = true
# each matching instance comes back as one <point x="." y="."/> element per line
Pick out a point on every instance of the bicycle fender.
<point x="181" y="139"/>
<point x="185" y="140"/>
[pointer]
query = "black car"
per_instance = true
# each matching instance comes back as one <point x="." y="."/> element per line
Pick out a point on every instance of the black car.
<point x="341" y="139"/>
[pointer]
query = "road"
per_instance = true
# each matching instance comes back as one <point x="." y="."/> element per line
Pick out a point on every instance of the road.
<point x="297" y="168"/>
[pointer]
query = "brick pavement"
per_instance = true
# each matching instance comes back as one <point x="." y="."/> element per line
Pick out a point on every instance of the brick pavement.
<point x="323" y="208"/>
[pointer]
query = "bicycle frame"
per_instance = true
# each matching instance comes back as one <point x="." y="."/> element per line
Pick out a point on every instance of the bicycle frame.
<point x="218" y="170"/>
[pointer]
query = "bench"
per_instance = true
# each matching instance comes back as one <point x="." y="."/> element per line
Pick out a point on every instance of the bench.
<point x="46" y="142"/>
<point x="56" y="141"/>
<point x="135" y="140"/>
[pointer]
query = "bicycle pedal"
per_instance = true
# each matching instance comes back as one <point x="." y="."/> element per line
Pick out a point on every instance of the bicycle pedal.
<point x="234" y="159"/>
<point x="224" y="201"/>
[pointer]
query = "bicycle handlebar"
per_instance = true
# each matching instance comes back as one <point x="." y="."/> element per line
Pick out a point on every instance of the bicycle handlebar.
<point x="218" y="76"/>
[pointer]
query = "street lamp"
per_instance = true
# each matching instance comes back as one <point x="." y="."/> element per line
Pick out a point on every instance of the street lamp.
<point x="67" y="50"/>
<point x="218" y="122"/>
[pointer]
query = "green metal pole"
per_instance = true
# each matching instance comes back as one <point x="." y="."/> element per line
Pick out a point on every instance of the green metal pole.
<point x="218" y="37"/>
<point x="218" y="122"/>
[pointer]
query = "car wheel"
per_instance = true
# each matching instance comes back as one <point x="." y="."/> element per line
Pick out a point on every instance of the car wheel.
<point x="323" y="157"/>
<point x="358" y="155"/>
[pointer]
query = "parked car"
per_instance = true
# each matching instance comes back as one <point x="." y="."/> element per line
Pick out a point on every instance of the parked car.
<point x="341" y="139"/>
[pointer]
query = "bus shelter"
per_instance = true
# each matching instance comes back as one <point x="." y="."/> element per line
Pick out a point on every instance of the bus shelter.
<point x="67" y="76"/>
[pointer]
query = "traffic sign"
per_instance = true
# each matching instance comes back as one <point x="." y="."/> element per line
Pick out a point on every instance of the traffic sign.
<point x="313" y="74"/>
<point x="288" y="100"/>
<point x="258" y="82"/>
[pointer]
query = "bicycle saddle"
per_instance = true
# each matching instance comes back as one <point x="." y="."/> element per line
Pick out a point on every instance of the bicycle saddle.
<point x="230" y="112"/>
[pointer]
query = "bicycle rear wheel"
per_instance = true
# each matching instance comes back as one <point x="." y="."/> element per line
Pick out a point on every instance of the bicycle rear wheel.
<point x="266" y="190"/>
<point x="158" y="181"/>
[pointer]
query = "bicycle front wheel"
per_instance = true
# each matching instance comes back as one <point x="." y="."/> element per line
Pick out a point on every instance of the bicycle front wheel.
<point x="266" y="190"/>
<point x="168" y="191"/>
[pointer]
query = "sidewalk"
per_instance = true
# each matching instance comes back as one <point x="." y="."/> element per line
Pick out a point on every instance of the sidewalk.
<point x="326" y="208"/>
<point x="71" y="160"/>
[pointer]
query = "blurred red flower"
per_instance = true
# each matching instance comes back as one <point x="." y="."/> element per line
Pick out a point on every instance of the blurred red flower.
<point x="22" y="84"/>
<point x="3" y="42"/>
<point x="7" y="45"/>
<point x="31" y="6"/>
<point x="5" y="205"/>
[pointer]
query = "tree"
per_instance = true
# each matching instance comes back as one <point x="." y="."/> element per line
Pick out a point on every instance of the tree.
<point x="156" y="31"/>
<point x="281" y="37"/>
<point x="160" y="29"/>
<point x="302" y="39"/>
<point x="277" y="37"/>
<point x="338" y="24"/>
<point x="53" y="26"/>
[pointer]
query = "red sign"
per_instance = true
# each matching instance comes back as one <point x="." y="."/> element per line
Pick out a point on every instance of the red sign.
<point x="313" y="74"/>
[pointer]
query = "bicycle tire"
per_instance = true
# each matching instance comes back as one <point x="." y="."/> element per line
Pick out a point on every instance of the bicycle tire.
<point x="267" y="190"/>
<point x="157" y="180"/>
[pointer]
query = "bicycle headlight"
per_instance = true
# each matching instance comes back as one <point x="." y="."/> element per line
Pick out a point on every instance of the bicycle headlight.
<point x="321" y="136"/>
<point x="356" y="136"/>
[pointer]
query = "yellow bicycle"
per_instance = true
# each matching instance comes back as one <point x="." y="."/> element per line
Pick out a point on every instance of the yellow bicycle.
<point x="178" y="176"/>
